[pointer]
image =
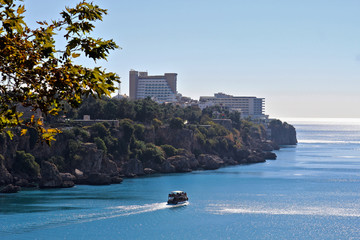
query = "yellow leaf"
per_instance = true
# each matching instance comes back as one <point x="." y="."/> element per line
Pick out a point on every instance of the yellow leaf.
<point x="20" y="10"/>
<point x="39" y="122"/>
<point x="53" y="130"/>
<point x="75" y="55"/>
<point x="32" y="118"/>
<point x="23" y="132"/>
<point x="11" y="135"/>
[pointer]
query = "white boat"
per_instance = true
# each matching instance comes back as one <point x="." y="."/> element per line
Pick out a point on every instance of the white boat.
<point x="177" y="197"/>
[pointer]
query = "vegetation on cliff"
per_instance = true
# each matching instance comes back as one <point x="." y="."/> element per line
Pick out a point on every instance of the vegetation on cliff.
<point x="150" y="138"/>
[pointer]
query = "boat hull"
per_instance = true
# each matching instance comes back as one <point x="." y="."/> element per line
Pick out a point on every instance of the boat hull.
<point x="177" y="203"/>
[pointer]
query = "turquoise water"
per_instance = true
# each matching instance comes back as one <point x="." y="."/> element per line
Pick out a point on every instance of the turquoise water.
<point x="311" y="191"/>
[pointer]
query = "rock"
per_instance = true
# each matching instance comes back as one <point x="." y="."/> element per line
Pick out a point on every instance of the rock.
<point x="282" y="133"/>
<point x="91" y="158"/>
<point x="22" y="182"/>
<point x="149" y="171"/>
<point x="229" y="161"/>
<point x="5" y="176"/>
<point x="67" y="184"/>
<point x="131" y="175"/>
<point x="167" y="167"/>
<point x="78" y="173"/>
<point x="10" y="189"/>
<point x="210" y="162"/>
<point x="270" y="155"/>
<point x="256" y="157"/>
<point x="67" y="177"/>
<point x="68" y="180"/>
<point x="267" y="146"/>
<point x="116" y="180"/>
<point x="133" y="167"/>
<point x="50" y="176"/>
<point x="180" y="162"/>
<point x="193" y="162"/>
<point x="242" y="155"/>
<point x="98" y="179"/>
<point x="109" y="167"/>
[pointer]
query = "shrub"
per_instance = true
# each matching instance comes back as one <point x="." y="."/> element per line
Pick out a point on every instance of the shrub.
<point x="152" y="153"/>
<point x="169" y="150"/>
<point x="157" y="123"/>
<point x="176" y="123"/>
<point x="128" y="129"/>
<point x="76" y="159"/>
<point x="200" y="137"/>
<point x="81" y="133"/>
<point x="139" y="145"/>
<point x="100" y="144"/>
<point x="59" y="162"/>
<point x="139" y="131"/>
<point x="73" y="146"/>
<point x="25" y="163"/>
<point x="99" y="130"/>
<point x="68" y="134"/>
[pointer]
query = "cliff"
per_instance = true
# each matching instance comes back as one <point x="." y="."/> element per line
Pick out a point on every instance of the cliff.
<point x="282" y="133"/>
<point x="101" y="154"/>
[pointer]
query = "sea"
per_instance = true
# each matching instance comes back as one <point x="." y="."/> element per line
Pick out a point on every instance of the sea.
<point x="312" y="191"/>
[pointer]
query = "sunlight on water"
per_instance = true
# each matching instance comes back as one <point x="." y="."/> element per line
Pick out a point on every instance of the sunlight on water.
<point x="285" y="210"/>
<point x="332" y="121"/>
<point x="328" y="141"/>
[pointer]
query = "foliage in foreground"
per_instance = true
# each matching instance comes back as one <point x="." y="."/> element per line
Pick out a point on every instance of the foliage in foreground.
<point x="37" y="75"/>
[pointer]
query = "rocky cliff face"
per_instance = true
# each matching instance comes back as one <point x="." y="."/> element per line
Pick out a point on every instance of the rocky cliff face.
<point x="282" y="133"/>
<point x="91" y="163"/>
<point x="179" y="138"/>
<point x="5" y="176"/>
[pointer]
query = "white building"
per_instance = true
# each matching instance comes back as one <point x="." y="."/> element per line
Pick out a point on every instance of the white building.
<point x="161" y="88"/>
<point x="248" y="106"/>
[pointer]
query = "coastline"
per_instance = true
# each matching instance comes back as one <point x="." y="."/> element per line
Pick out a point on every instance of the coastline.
<point x="183" y="150"/>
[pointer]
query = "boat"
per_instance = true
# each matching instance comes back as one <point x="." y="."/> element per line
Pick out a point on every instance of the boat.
<point x="177" y="197"/>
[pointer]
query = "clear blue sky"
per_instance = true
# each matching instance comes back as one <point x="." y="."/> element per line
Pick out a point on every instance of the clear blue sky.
<point x="302" y="56"/>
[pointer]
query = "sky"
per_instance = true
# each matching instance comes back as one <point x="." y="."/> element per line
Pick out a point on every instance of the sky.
<point x="302" y="56"/>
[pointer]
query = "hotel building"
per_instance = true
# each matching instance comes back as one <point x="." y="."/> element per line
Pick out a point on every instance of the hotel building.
<point x="248" y="106"/>
<point x="162" y="88"/>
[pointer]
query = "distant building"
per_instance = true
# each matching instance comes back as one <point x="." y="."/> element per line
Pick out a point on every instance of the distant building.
<point x="120" y="96"/>
<point x="248" y="106"/>
<point x="86" y="121"/>
<point x="162" y="88"/>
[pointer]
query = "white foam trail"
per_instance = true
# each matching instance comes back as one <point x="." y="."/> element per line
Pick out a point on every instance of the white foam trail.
<point x="127" y="210"/>
<point x="290" y="210"/>
<point x="108" y="213"/>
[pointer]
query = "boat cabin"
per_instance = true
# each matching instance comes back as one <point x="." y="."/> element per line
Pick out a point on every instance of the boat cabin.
<point x="176" y="197"/>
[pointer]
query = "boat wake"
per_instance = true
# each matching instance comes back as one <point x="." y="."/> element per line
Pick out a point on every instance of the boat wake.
<point x="96" y="215"/>
<point x="137" y="209"/>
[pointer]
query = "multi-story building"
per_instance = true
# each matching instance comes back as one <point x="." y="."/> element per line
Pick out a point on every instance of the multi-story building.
<point x="162" y="88"/>
<point x="248" y="106"/>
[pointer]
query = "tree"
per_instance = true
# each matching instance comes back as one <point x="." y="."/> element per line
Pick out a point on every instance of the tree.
<point x="176" y="123"/>
<point x="35" y="74"/>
